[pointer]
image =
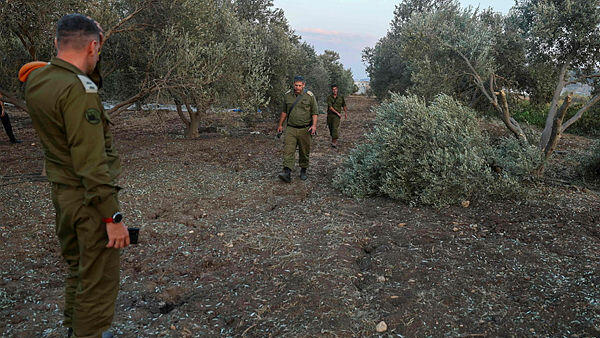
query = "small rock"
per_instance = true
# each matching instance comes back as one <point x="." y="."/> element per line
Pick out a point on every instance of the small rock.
<point x="381" y="279"/>
<point x="401" y="225"/>
<point x="229" y="245"/>
<point x="394" y="297"/>
<point x="220" y="234"/>
<point x="412" y="281"/>
<point x="381" y="327"/>
<point x="455" y="229"/>
<point x="465" y="204"/>
<point x="173" y="327"/>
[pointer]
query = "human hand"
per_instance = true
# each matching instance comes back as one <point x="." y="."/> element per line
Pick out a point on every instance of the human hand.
<point x="279" y="129"/>
<point x="118" y="236"/>
<point x="313" y="130"/>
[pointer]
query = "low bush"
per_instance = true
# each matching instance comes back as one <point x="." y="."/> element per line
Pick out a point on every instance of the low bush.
<point x="589" y="167"/>
<point x="430" y="154"/>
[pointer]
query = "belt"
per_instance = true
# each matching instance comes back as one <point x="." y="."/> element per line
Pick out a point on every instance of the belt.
<point x="299" y="127"/>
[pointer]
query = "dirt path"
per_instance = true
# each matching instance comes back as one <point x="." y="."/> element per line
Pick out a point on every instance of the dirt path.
<point x="229" y="250"/>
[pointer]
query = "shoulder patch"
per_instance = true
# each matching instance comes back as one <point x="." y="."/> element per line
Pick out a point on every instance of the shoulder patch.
<point x="92" y="115"/>
<point x="89" y="85"/>
<point x="310" y="93"/>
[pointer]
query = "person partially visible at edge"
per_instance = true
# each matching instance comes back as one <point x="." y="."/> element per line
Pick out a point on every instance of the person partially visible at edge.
<point x="6" y="123"/>
<point x="300" y="110"/>
<point x="82" y="166"/>
<point x="335" y="104"/>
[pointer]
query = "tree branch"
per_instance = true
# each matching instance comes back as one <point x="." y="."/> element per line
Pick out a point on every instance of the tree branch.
<point x="580" y="112"/>
<point x="116" y="28"/>
<point x="554" y="105"/>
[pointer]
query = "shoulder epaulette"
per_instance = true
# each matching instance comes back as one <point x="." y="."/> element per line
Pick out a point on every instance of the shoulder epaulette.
<point x="310" y="93"/>
<point x="89" y="85"/>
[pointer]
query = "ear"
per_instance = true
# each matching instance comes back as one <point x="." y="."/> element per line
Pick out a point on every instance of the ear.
<point x="91" y="47"/>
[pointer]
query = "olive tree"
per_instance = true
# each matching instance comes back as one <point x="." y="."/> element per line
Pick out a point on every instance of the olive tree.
<point x="565" y="35"/>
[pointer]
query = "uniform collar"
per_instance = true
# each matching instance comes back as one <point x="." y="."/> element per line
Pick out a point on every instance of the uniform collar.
<point x="64" y="64"/>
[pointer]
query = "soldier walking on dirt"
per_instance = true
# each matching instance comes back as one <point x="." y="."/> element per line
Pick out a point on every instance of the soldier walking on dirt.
<point x="82" y="165"/>
<point x="300" y="110"/>
<point x="6" y="123"/>
<point x="335" y="104"/>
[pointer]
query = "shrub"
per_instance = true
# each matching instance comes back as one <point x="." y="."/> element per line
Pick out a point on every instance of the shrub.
<point x="514" y="159"/>
<point x="589" y="167"/>
<point x="431" y="155"/>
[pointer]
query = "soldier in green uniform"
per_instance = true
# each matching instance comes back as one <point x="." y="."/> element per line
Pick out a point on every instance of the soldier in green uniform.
<point x="300" y="110"/>
<point x="335" y="104"/>
<point x="82" y="165"/>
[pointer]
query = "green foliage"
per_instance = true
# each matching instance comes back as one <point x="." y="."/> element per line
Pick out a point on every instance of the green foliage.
<point x="535" y="115"/>
<point x="513" y="159"/>
<point x="589" y="167"/>
<point x="426" y="154"/>
<point x="337" y="74"/>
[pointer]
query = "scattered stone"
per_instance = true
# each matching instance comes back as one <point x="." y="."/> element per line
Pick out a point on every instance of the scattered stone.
<point x="173" y="327"/>
<point x="381" y="279"/>
<point x="401" y="225"/>
<point x="394" y="297"/>
<point x="381" y="327"/>
<point x="412" y="281"/>
<point x="220" y="234"/>
<point x="455" y="229"/>
<point x="465" y="204"/>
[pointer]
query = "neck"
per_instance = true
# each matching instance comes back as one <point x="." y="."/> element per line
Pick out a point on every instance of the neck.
<point x="74" y="58"/>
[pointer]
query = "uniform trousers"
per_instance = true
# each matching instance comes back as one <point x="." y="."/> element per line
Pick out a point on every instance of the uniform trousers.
<point x="92" y="283"/>
<point x="7" y="127"/>
<point x="296" y="137"/>
<point x="333" y="123"/>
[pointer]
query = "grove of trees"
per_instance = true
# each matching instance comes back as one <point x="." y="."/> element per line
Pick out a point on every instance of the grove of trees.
<point x="195" y="54"/>
<point x="489" y="60"/>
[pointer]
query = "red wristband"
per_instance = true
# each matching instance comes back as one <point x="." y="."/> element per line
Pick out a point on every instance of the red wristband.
<point x="108" y="220"/>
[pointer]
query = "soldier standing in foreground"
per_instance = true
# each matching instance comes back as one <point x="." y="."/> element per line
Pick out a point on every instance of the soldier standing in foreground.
<point x="300" y="110"/>
<point x="335" y="103"/>
<point x="82" y="165"/>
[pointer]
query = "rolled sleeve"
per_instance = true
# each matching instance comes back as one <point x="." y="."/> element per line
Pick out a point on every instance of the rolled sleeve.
<point x="314" y="110"/>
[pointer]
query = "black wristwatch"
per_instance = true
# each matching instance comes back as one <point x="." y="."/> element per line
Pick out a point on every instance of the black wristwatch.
<point x="116" y="218"/>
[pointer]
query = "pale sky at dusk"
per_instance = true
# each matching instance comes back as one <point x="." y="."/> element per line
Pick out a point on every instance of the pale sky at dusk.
<point x="348" y="26"/>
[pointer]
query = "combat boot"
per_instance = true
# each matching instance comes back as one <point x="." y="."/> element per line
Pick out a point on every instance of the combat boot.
<point x="286" y="175"/>
<point x="303" y="175"/>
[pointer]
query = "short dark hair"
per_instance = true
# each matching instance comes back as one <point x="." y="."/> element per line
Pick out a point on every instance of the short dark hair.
<point x="76" y="30"/>
<point x="334" y="86"/>
<point x="299" y="79"/>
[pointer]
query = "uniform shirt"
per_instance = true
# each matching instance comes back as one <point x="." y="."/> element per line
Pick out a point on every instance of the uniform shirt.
<point x="302" y="113"/>
<point x="74" y="131"/>
<point x="337" y="103"/>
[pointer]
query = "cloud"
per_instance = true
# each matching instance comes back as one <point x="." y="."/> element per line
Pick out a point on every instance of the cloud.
<point x="356" y="41"/>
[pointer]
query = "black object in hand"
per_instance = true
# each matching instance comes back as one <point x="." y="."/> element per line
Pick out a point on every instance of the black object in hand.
<point x="133" y="235"/>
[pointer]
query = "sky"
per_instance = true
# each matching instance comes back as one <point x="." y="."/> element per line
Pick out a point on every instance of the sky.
<point x="348" y="26"/>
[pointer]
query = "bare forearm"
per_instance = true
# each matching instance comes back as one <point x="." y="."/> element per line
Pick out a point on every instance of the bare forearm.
<point x="282" y="119"/>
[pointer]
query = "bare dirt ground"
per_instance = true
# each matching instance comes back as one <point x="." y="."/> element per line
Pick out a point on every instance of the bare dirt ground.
<point x="226" y="249"/>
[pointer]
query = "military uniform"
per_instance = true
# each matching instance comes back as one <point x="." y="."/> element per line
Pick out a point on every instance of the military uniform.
<point x="82" y="165"/>
<point x="333" y="120"/>
<point x="299" y="120"/>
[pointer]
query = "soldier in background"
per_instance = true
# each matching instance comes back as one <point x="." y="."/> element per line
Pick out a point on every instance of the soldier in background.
<point x="6" y="123"/>
<point x="82" y="165"/>
<point x="300" y="110"/>
<point x="335" y="104"/>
